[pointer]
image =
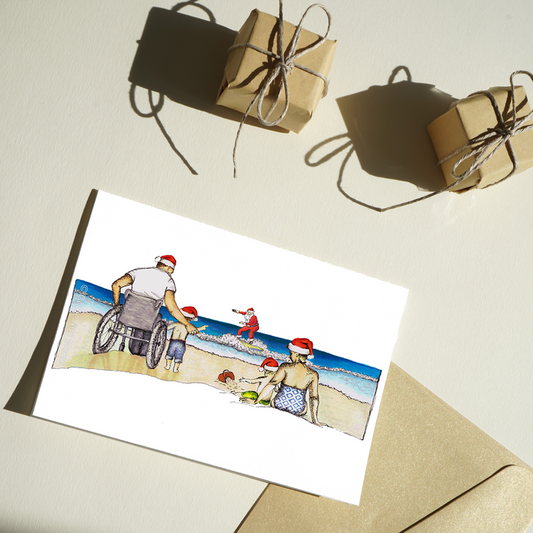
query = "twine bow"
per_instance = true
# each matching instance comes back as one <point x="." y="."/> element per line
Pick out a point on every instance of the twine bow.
<point x="284" y="63"/>
<point x="486" y="144"/>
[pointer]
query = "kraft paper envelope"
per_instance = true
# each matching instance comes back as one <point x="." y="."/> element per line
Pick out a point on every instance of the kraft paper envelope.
<point x="430" y="470"/>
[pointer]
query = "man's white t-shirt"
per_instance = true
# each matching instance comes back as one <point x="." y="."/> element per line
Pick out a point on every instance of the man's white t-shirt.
<point x="152" y="282"/>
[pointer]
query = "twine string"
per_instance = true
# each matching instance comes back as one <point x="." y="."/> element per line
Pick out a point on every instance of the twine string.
<point x="483" y="146"/>
<point x="284" y="63"/>
<point x="487" y="144"/>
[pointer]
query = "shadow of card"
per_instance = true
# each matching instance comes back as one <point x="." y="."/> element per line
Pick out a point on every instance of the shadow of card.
<point x="23" y="398"/>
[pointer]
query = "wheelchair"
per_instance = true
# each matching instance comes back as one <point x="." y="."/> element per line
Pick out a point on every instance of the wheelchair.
<point x="137" y="320"/>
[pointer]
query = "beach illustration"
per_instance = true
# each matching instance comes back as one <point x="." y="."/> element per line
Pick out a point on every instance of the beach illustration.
<point x="334" y="392"/>
<point x="221" y="348"/>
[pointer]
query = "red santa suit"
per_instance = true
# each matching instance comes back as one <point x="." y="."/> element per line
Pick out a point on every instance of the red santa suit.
<point x="252" y="324"/>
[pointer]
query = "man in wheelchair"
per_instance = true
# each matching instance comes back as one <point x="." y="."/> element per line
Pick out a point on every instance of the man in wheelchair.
<point x="149" y="288"/>
<point x="155" y="283"/>
<point x="139" y="319"/>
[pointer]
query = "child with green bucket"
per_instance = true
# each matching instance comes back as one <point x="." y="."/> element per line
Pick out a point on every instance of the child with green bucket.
<point x="268" y="367"/>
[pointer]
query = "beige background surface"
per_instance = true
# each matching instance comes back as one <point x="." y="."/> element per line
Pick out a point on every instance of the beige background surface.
<point x="68" y="128"/>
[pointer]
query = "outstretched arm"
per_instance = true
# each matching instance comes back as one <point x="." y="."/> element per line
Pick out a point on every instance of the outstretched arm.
<point x="262" y="381"/>
<point x="172" y="325"/>
<point x="117" y="285"/>
<point x="252" y="380"/>
<point x="274" y="380"/>
<point x="174" y="310"/>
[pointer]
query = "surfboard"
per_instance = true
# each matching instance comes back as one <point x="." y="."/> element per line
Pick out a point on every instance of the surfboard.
<point x="251" y="346"/>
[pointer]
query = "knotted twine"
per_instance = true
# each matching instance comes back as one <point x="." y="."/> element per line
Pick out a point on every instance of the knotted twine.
<point x="484" y="145"/>
<point x="283" y="65"/>
<point x="493" y="139"/>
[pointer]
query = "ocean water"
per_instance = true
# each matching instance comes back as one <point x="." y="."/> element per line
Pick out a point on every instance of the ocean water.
<point x="355" y="380"/>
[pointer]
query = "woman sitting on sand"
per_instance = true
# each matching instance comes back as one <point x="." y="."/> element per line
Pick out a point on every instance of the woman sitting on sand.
<point x="294" y="379"/>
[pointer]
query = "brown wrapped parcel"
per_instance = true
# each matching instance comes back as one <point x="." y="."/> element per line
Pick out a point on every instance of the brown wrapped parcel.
<point x="247" y="69"/>
<point x="474" y="116"/>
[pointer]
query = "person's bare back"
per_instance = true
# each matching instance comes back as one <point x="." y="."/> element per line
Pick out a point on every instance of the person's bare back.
<point x="179" y="331"/>
<point x="298" y="375"/>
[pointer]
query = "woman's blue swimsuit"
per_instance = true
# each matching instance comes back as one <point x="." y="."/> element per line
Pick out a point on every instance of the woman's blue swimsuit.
<point x="290" y="399"/>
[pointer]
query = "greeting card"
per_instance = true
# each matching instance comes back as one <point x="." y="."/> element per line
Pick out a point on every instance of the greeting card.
<point x="208" y="345"/>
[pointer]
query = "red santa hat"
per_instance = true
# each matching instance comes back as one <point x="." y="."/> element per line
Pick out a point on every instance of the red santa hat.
<point x="250" y="309"/>
<point x="302" y="346"/>
<point x="190" y="312"/>
<point x="167" y="260"/>
<point x="270" y="364"/>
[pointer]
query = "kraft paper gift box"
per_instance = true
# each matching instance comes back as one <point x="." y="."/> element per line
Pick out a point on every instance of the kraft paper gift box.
<point x="246" y="70"/>
<point x="429" y="470"/>
<point x="471" y="117"/>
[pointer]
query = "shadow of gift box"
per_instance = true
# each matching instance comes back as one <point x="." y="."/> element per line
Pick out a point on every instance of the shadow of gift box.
<point x="388" y="128"/>
<point x="183" y="58"/>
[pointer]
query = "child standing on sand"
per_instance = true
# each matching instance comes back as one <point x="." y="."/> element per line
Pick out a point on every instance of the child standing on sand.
<point x="176" y="346"/>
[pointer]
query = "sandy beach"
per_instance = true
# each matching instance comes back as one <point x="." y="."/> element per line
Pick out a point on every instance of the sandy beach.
<point x="75" y="351"/>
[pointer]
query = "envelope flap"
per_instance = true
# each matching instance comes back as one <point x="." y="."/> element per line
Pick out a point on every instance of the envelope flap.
<point x="424" y="455"/>
<point x="502" y="503"/>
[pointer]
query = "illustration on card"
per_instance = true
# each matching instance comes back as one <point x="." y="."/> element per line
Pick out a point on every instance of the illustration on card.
<point x="137" y="326"/>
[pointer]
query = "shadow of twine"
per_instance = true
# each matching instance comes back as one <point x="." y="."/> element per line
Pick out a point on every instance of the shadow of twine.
<point x="154" y="112"/>
<point x="387" y="129"/>
<point x="176" y="58"/>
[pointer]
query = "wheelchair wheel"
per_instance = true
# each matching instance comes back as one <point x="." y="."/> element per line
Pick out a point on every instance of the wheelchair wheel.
<point x="107" y="331"/>
<point x="156" y="345"/>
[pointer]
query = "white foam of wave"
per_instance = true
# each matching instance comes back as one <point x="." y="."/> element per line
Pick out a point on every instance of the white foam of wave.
<point x="229" y="344"/>
<point x="356" y="374"/>
<point x="352" y="386"/>
<point x="83" y="303"/>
